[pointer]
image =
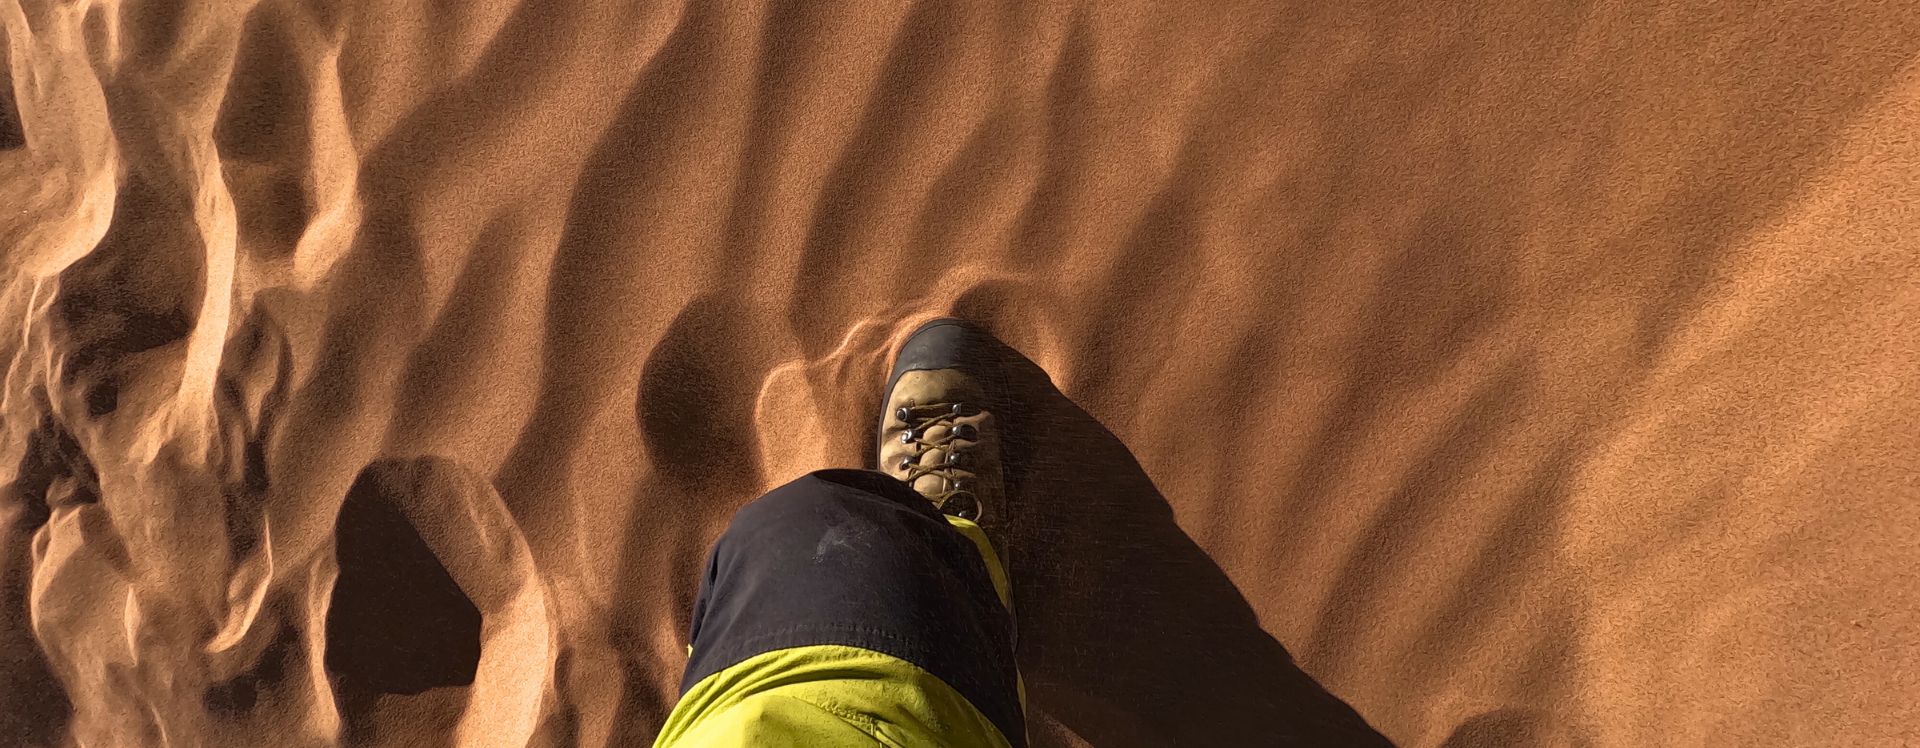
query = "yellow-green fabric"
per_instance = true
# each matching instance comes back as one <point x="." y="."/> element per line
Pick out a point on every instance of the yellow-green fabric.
<point x="826" y="695"/>
<point x="1001" y="585"/>
<point x="833" y="695"/>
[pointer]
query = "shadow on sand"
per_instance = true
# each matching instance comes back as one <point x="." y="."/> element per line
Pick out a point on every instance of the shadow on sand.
<point x="1130" y="634"/>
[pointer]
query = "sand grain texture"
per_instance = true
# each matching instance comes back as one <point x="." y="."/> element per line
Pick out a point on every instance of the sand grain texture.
<point x="1521" y="374"/>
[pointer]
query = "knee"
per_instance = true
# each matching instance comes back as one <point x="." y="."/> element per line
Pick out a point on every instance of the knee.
<point x="826" y="497"/>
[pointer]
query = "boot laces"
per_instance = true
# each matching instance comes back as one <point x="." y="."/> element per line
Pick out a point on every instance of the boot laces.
<point x="956" y="496"/>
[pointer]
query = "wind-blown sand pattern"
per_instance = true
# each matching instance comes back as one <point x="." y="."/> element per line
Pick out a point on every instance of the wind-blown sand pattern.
<point x="1519" y="373"/>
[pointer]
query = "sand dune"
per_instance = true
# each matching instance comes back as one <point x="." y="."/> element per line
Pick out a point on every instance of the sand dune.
<point x="1516" y="374"/>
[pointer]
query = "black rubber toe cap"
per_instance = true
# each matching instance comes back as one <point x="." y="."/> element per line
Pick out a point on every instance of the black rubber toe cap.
<point x="946" y="343"/>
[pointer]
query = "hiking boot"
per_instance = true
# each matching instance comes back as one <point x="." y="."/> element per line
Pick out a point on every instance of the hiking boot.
<point x="937" y="428"/>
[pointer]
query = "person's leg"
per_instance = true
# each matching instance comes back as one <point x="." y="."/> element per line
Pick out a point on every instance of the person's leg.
<point x="845" y="601"/>
<point x="855" y="606"/>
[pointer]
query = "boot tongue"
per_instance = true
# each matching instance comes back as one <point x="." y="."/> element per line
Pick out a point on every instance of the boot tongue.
<point x="930" y="486"/>
<point x="934" y="484"/>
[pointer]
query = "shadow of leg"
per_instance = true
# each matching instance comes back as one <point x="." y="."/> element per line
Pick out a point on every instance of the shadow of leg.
<point x="1130" y="633"/>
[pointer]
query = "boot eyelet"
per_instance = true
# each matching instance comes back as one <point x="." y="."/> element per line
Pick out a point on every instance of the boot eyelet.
<point x="906" y="463"/>
<point x="904" y="414"/>
<point x="955" y="458"/>
<point x="962" y="505"/>
<point x="965" y="431"/>
<point x="906" y="437"/>
<point x="963" y="410"/>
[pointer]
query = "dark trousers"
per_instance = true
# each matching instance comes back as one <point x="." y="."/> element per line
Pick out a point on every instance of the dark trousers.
<point x="857" y="558"/>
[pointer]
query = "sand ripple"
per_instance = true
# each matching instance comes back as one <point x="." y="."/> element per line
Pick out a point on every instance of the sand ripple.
<point x="1520" y="374"/>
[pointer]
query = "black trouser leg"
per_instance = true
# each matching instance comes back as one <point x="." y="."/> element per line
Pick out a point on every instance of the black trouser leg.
<point x="856" y="558"/>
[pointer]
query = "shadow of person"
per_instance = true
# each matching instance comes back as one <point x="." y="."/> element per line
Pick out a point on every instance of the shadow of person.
<point x="1129" y="633"/>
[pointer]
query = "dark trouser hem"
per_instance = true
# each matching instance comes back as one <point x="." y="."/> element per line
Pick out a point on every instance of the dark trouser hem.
<point x="856" y="558"/>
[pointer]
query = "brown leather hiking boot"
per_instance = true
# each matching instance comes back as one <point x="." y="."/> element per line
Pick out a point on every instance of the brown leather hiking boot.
<point x="937" y="426"/>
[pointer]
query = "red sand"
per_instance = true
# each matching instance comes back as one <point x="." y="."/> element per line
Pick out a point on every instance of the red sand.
<point x="1534" y="374"/>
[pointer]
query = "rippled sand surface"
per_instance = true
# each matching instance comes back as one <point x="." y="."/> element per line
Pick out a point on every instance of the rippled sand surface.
<point x="1537" y="373"/>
